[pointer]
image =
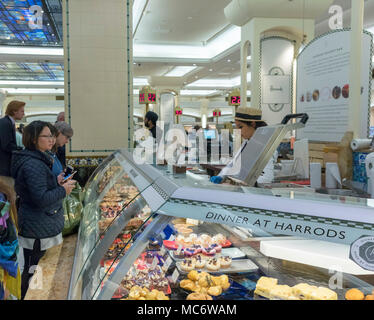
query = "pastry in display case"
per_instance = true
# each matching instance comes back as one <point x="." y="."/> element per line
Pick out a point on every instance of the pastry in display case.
<point x="176" y="237"/>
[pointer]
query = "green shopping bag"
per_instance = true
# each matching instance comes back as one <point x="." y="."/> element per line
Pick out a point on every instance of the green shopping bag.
<point x="73" y="208"/>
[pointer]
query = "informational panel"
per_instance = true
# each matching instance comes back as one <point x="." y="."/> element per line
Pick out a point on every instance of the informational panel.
<point x="276" y="78"/>
<point x="323" y="86"/>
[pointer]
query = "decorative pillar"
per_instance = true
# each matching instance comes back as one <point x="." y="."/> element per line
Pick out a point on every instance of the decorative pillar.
<point x="98" y="77"/>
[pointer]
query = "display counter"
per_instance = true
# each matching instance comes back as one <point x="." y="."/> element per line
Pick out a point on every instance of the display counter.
<point x="147" y="233"/>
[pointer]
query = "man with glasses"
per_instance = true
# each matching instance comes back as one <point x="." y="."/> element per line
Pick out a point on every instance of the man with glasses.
<point x="8" y="142"/>
<point x="63" y="137"/>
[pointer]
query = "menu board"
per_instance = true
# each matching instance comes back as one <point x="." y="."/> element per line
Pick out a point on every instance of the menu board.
<point x="322" y="87"/>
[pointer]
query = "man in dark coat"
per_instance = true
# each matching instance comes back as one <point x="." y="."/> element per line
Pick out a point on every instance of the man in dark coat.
<point x="8" y="143"/>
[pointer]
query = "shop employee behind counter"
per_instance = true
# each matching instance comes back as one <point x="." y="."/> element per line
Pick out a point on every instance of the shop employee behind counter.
<point x="247" y="120"/>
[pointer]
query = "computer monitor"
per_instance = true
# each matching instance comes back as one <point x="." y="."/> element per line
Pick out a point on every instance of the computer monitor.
<point x="210" y="134"/>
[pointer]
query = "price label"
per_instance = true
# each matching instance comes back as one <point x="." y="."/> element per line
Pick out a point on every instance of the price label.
<point x="167" y="263"/>
<point x="179" y="249"/>
<point x="175" y="276"/>
<point x="162" y="251"/>
<point x="154" y="263"/>
<point x="192" y="221"/>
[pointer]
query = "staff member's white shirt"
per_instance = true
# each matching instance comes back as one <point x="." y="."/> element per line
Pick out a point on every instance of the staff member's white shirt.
<point x="233" y="167"/>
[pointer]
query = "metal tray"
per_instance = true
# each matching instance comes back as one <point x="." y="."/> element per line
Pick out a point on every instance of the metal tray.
<point x="242" y="265"/>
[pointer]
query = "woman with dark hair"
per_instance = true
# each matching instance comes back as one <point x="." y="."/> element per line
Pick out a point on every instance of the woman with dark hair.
<point x="57" y="167"/>
<point x="41" y="216"/>
<point x="248" y="120"/>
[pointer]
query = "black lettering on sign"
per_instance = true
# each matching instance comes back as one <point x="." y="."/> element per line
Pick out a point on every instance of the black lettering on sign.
<point x="289" y="227"/>
<point x="318" y="233"/>
<point x="209" y="215"/>
<point x="331" y="233"/>
<point x="257" y="222"/>
<point x="279" y="225"/>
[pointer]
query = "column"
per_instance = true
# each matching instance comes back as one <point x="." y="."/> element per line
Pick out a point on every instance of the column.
<point x="98" y="78"/>
<point x="357" y="17"/>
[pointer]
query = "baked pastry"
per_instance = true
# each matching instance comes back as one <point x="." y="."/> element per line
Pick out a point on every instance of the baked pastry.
<point x="217" y="247"/>
<point x="215" y="291"/>
<point x="199" y="296"/>
<point x="264" y="285"/>
<point x="303" y="291"/>
<point x="219" y="239"/>
<point x="209" y="251"/>
<point x="225" y="261"/>
<point x="369" y="297"/>
<point x="193" y="275"/>
<point x="354" y="294"/>
<point x="322" y="293"/>
<point x="179" y="254"/>
<point x="199" y="261"/>
<point x="187" y="284"/>
<point x="205" y="281"/>
<point x="280" y="292"/>
<point x="187" y="265"/>
<point x="189" y="252"/>
<point x="213" y="264"/>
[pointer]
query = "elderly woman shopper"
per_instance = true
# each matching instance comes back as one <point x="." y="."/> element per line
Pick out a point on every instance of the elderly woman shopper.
<point x="63" y="137"/>
<point x="41" y="216"/>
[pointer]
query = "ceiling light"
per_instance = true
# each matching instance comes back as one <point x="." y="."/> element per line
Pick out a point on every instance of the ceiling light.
<point x="7" y="83"/>
<point x="28" y="91"/>
<point x="197" y="92"/>
<point x="210" y="69"/>
<point x="228" y="60"/>
<point x="180" y="71"/>
<point x="140" y="82"/>
<point x="32" y="51"/>
<point x="214" y="47"/>
<point x="219" y="83"/>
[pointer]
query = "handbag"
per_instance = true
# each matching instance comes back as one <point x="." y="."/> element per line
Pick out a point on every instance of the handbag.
<point x="73" y="208"/>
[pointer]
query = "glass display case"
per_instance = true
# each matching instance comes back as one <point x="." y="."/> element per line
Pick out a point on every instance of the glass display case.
<point x="149" y="234"/>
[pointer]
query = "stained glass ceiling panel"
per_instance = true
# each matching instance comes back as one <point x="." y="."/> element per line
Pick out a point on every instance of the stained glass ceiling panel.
<point x="31" y="22"/>
<point x="31" y="71"/>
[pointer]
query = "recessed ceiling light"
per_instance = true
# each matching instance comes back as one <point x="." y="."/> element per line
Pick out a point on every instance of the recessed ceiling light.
<point x="189" y="18"/>
<point x="228" y="60"/>
<point x="196" y="77"/>
<point x="179" y="71"/>
<point x="210" y="69"/>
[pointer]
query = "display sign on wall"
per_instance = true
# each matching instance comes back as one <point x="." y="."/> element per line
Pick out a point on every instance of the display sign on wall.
<point x="323" y="86"/>
<point x="276" y="78"/>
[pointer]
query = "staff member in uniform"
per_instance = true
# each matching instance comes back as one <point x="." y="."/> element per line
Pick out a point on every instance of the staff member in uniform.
<point x="247" y="120"/>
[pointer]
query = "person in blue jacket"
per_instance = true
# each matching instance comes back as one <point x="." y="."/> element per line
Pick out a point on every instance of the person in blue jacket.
<point x="40" y="213"/>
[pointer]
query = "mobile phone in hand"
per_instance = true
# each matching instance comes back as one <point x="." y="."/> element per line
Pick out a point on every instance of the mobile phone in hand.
<point x="66" y="178"/>
<point x="68" y="171"/>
